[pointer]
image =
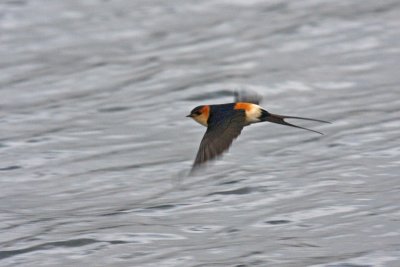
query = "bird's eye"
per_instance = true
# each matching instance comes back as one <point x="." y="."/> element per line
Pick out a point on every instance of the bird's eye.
<point x="197" y="113"/>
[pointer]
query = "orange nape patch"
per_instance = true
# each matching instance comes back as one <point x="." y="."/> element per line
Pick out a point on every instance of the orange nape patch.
<point x="244" y="106"/>
<point x="205" y="111"/>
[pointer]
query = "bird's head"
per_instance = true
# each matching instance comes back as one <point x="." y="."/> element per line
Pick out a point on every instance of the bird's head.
<point x="200" y="114"/>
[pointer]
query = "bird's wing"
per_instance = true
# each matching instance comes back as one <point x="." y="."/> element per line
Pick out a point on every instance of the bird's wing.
<point x="219" y="136"/>
<point x="247" y="97"/>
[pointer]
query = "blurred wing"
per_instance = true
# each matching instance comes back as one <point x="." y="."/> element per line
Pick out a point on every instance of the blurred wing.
<point x="219" y="136"/>
<point x="247" y="97"/>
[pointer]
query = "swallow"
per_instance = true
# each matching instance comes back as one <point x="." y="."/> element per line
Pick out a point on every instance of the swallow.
<point x="225" y="122"/>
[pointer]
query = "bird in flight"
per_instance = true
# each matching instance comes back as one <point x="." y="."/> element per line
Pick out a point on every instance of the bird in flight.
<point x="225" y="122"/>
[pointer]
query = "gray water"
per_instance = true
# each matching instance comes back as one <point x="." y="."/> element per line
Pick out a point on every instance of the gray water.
<point x="95" y="147"/>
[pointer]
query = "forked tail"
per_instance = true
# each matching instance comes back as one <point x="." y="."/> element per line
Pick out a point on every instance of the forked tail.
<point x="280" y="119"/>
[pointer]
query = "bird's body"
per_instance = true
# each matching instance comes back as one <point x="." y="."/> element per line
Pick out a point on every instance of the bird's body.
<point x="225" y="122"/>
<point x="220" y="112"/>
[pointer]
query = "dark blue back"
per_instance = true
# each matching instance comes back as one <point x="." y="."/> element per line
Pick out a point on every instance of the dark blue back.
<point x="220" y="113"/>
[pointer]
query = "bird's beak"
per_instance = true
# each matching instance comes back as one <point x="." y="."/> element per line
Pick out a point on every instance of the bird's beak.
<point x="280" y="119"/>
<point x="189" y="116"/>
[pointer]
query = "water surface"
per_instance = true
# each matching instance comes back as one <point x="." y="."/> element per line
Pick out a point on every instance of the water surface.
<point x="95" y="146"/>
